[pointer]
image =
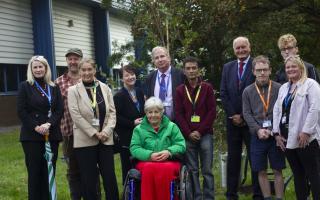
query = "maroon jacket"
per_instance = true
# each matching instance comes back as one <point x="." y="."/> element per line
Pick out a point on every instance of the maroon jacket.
<point x="205" y="108"/>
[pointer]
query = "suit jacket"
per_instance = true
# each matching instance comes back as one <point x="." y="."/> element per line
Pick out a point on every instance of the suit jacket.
<point x="33" y="110"/>
<point x="230" y="90"/>
<point x="127" y="112"/>
<point x="177" y="78"/>
<point x="81" y="112"/>
<point x="281" y="76"/>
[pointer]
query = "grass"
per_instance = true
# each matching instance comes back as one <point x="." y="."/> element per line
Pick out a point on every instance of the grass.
<point x="13" y="181"/>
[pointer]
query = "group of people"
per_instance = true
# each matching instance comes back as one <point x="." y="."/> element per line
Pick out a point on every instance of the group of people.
<point x="275" y="119"/>
<point x="171" y="122"/>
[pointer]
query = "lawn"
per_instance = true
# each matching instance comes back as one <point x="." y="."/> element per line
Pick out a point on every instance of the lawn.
<point x="13" y="176"/>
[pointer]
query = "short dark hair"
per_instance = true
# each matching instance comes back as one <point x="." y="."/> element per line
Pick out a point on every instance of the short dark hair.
<point x="190" y="59"/>
<point x="128" y="68"/>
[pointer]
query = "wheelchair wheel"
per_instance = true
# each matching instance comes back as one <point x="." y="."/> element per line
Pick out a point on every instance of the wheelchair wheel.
<point x="131" y="190"/>
<point x="185" y="185"/>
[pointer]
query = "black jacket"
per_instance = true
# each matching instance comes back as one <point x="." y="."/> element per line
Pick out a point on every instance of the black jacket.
<point x="33" y="110"/>
<point x="281" y="76"/>
<point x="127" y="113"/>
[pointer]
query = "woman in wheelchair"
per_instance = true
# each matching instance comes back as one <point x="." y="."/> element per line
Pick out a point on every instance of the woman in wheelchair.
<point x="155" y="143"/>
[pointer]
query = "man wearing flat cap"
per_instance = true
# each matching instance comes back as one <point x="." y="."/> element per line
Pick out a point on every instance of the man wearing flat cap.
<point x="70" y="78"/>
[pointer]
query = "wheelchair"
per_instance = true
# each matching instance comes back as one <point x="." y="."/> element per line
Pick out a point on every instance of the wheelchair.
<point x="180" y="187"/>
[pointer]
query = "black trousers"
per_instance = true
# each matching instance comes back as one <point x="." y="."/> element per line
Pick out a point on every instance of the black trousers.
<point x="73" y="172"/>
<point x="90" y="160"/>
<point x="235" y="138"/>
<point x="38" y="186"/>
<point x="305" y="165"/>
<point x="126" y="164"/>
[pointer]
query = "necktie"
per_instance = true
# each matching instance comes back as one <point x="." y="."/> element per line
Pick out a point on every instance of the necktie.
<point x="162" y="92"/>
<point x="241" y="63"/>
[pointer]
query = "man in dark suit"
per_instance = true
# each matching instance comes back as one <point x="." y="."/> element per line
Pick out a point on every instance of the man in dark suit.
<point x="162" y="82"/>
<point x="236" y="76"/>
<point x="288" y="46"/>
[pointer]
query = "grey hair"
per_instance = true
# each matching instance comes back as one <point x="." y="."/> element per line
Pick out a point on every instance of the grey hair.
<point x="47" y="76"/>
<point x="153" y="102"/>
<point x="157" y="48"/>
<point x="245" y="39"/>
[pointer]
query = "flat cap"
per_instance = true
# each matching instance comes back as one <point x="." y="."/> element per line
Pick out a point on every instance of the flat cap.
<point x="74" y="51"/>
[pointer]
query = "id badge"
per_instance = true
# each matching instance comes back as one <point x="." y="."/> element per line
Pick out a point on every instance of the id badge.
<point x="284" y="120"/>
<point x="166" y="104"/>
<point x="49" y="113"/>
<point x="95" y="122"/>
<point x="266" y="124"/>
<point x="195" y="118"/>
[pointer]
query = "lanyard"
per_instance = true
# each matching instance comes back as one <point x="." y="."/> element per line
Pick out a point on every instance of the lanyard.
<point x="133" y="97"/>
<point x="48" y="95"/>
<point x="289" y="96"/>
<point x="195" y="99"/>
<point x="240" y="76"/>
<point x="94" y="97"/>
<point x="167" y="85"/>
<point x="265" y="104"/>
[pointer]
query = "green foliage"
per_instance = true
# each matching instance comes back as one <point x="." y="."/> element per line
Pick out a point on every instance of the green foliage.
<point x="206" y="28"/>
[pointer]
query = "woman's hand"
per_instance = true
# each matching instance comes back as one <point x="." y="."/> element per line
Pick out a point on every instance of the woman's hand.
<point x="43" y="128"/>
<point x="160" y="156"/>
<point x="280" y="142"/>
<point x="303" y="139"/>
<point x="137" y="121"/>
<point x="102" y="136"/>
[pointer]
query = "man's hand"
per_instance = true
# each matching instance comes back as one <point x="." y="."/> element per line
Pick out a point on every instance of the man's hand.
<point x="303" y="139"/>
<point x="263" y="134"/>
<point x="194" y="136"/>
<point x="237" y="120"/>
<point x="280" y="142"/>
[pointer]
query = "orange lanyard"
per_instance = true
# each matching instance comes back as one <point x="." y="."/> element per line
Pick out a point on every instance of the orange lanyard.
<point x="265" y="105"/>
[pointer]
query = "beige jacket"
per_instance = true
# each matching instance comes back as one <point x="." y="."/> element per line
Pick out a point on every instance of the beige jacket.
<point x="82" y="115"/>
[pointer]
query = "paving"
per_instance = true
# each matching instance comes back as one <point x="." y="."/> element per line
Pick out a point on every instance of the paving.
<point x="6" y="129"/>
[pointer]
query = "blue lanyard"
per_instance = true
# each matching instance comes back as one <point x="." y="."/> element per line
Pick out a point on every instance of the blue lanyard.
<point x="240" y="76"/>
<point x="48" y="95"/>
<point x="289" y="96"/>
<point x="137" y="104"/>
<point x="167" y="85"/>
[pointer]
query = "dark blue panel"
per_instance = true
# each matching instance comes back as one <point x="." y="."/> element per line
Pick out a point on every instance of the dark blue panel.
<point x="43" y="31"/>
<point x="101" y="43"/>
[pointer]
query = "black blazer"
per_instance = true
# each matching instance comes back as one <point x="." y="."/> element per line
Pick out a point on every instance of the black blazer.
<point x="33" y="110"/>
<point x="127" y="113"/>
<point x="177" y="78"/>
<point x="230" y="91"/>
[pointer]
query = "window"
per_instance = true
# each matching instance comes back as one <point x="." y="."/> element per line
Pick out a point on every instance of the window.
<point x="10" y="77"/>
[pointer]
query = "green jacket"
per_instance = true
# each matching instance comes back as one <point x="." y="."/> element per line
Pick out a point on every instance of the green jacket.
<point x="146" y="141"/>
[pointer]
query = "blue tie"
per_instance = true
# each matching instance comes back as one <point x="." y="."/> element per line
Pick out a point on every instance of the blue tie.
<point x="162" y="92"/>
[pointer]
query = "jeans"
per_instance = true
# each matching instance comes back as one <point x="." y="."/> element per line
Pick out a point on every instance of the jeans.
<point x="204" y="149"/>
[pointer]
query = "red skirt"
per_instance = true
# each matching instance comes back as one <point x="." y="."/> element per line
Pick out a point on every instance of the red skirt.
<point x="156" y="178"/>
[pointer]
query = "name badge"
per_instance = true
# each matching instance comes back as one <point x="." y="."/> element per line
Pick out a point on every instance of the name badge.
<point x="284" y="120"/>
<point x="266" y="124"/>
<point x="95" y="122"/>
<point x="195" y="118"/>
<point x="49" y="113"/>
<point x="166" y="104"/>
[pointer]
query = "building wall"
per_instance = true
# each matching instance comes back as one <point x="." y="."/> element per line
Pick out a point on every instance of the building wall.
<point x="72" y="27"/>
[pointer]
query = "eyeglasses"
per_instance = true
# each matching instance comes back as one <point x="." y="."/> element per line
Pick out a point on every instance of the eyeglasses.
<point x="37" y="58"/>
<point x="261" y="70"/>
<point x="286" y="49"/>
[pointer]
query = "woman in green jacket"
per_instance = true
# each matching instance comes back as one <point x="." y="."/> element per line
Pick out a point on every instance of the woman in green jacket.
<point x="155" y="143"/>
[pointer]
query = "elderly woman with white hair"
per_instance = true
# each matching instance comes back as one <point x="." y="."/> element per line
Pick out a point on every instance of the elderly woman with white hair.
<point x="296" y="126"/>
<point x="155" y="143"/>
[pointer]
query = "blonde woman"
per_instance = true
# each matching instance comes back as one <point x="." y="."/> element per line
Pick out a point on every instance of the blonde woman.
<point x="92" y="110"/>
<point x="296" y="126"/>
<point x="40" y="109"/>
